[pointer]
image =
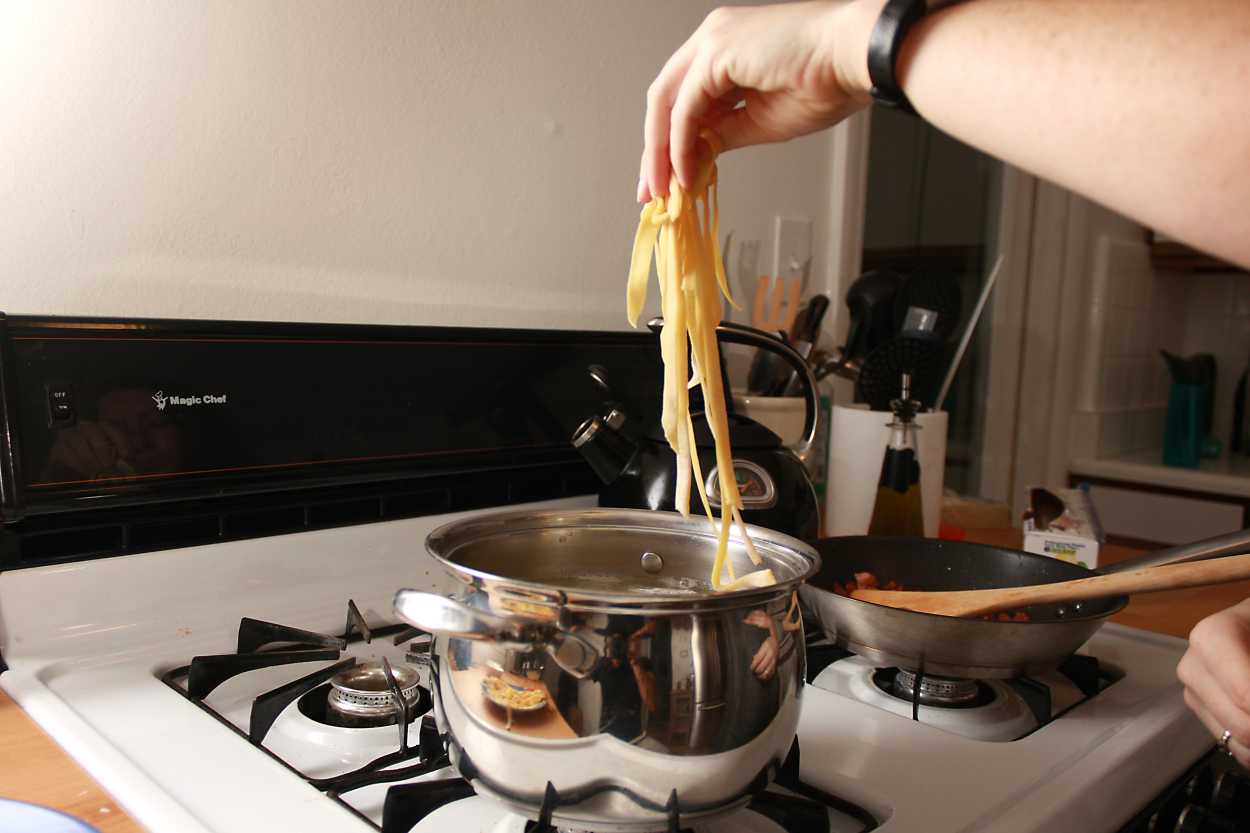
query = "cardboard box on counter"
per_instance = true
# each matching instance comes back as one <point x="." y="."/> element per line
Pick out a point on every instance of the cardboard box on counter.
<point x="1062" y="523"/>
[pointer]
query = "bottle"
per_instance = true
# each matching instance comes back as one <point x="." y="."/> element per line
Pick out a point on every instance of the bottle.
<point x="899" y="510"/>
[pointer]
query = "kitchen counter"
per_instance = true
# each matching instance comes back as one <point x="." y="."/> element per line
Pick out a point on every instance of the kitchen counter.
<point x="33" y="768"/>
<point x="1229" y="474"/>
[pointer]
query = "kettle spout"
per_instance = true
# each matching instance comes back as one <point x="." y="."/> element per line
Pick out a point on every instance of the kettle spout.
<point x="604" y="446"/>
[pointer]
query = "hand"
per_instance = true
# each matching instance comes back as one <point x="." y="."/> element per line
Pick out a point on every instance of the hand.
<point x="764" y="663"/>
<point x="647" y="688"/>
<point x="794" y="68"/>
<point x="1216" y="674"/>
<point x="92" y="450"/>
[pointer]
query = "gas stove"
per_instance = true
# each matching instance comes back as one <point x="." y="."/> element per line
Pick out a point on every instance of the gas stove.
<point x="204" y="622"/>
<point x="987" y="710"/>
<point x="187" y="746"/>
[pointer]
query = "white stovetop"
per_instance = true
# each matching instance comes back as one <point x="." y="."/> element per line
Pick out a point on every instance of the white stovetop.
<point x="87" y="642"/>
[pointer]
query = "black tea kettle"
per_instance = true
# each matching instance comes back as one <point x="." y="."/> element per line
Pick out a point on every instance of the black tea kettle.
<point x="639" y="470"/>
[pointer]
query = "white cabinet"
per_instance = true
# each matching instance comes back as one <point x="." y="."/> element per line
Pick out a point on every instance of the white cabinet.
<point x="1150" y="514"/>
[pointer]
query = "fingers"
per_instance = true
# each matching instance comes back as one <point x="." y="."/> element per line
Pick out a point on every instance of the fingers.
<point x="85" y="449"/>
<point x="660" y="97"/>
<point x="117" y="437"/>
<point x="760" y="660"/>
<point x="103" y="451"/>
<point x="1205" y="688"/>
<point x="764" y="663"/>
<point x="1222" y="640"/>
<point x="1238" y="750"/>
<point x="701" y="89"/>
<point x="1216" y="674"/>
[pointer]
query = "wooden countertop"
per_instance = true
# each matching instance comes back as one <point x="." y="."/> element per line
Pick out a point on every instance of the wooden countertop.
<point x="1174" y="612"/>
<point x="33" y="768"/>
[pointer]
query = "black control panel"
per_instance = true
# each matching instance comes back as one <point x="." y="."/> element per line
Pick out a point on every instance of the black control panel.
<point x="1212" y="797"/>
<point x="106" y="413"/>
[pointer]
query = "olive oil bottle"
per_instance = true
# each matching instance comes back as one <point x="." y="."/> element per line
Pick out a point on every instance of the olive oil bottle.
<point x="899" y="510"/>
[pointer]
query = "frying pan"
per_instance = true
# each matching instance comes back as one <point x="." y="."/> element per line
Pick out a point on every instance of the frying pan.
<point x="968" y="648"/>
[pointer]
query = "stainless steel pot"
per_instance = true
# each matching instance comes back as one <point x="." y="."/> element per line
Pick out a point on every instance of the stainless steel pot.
<point x="659" y="696"/>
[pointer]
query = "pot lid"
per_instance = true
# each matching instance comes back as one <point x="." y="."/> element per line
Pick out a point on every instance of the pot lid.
<point x="596" y="558"/>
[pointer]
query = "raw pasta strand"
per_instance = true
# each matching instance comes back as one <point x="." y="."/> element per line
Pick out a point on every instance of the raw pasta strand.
<point x="682" y="235"/>
<point x="640" y="265"/>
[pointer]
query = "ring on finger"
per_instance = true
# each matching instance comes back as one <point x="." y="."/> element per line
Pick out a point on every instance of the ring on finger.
<point x="1224" y="741"/>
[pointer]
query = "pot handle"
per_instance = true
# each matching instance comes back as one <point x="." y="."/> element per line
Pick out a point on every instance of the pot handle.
<point x="439" y="614"/>
<point x="1232" y="543"/>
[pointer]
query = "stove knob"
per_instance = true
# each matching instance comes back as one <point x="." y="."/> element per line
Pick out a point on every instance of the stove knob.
<point x="1198" y="789"/>
<point x="1195" y="819"/>
<point x="1230" y="795"/>
<point x="1164" y="819"/>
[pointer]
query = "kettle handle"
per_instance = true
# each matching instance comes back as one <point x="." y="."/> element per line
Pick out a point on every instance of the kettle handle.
<point x="732" y="333"/>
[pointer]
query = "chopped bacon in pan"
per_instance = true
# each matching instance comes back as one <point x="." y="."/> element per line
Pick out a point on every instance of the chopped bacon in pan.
<point x="868" y="581"/>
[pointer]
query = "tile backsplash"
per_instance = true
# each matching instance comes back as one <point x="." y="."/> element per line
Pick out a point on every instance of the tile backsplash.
<point x="1135" y="310"/>
<point x="1217" y="321"/>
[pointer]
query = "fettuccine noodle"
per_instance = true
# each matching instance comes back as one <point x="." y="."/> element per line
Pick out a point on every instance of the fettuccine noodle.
<point x="683" y="234"/>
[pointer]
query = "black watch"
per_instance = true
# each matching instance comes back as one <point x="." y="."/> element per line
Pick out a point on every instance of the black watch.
<point x="884" y="43"/>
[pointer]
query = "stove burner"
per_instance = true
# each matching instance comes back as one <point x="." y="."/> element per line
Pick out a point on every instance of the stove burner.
<point x="361" y="692"/>
<point x="316" y="706"/>
<point x="946" y="692"/>
<point x="939" y="692"/>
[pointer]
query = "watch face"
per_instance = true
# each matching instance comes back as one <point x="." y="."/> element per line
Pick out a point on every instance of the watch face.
<point x="754" y="485"/>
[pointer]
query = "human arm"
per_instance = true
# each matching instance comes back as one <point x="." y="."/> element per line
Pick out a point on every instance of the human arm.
<point x="1137" y="104"/>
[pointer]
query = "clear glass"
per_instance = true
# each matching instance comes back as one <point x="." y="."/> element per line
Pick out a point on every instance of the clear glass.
<point x="898" y="509"/>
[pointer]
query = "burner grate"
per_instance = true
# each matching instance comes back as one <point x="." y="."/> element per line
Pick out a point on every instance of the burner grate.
<point x="267" y="706"/>
<point x="788" y="802"/>
<point x="266" y="644"/>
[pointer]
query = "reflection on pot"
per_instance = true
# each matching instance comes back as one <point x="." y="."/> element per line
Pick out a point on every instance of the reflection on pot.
<point x="690" y="685"/>
<point x="127" y="436"/>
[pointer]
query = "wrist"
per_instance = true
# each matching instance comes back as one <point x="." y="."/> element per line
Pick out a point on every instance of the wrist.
<point x="851" y="29"/>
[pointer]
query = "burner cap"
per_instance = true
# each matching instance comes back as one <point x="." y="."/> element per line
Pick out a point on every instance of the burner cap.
<point x="936" y="691"/>
<point x="361" y="691"/>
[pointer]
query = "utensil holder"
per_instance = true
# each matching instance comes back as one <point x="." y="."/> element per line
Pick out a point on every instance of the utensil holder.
<point x="857" y="444"/>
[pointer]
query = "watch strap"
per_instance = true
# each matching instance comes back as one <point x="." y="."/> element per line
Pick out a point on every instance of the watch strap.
<point x="884" y="44"/>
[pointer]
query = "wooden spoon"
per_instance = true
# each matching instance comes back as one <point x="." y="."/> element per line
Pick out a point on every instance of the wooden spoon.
<point x="1145" y="580"/>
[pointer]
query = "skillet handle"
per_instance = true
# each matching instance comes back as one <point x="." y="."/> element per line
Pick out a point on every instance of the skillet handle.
<point x="1232" y="543"/>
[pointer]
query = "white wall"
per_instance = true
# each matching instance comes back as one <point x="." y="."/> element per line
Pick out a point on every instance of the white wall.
<point x="406" y="162"/>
